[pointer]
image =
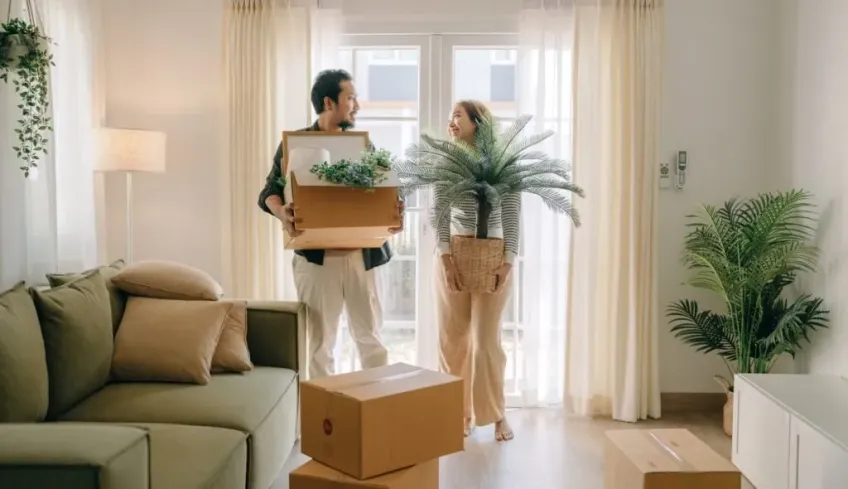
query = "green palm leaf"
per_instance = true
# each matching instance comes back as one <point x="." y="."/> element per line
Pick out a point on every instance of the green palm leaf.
<point x="746" y="252"/>
<point x="500" y="163"/>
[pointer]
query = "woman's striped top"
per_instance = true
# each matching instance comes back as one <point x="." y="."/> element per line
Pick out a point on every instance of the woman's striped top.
<point x="504" y="222"/>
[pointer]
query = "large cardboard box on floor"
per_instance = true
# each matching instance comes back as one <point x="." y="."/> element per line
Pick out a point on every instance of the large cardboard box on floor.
<point x="665" y="459"/>
<point x="380" y="420"/>
<point x="314" y="475"/>
<point x="334" y="216"/>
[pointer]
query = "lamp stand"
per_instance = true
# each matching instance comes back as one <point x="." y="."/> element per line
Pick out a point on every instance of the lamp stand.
<point x="129" y="257"/>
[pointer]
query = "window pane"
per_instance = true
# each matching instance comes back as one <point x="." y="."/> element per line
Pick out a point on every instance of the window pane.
<point x="386" y="80"/>
<point x="512" y="309"/>
<point x="487" y="75"/>
<point x="400" y="341"/>
<point x="395" y="136"/>
<point x="406" y="243"/>
<point x="397" y="290"/>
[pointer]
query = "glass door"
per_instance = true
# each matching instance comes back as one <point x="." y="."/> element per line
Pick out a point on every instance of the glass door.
<point x="408" y="84"/>
<point x="484" y="68"/>
<point x="392" y="77"/>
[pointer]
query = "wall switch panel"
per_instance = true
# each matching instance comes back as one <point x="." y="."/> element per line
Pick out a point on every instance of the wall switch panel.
<point x="665" y="175"/>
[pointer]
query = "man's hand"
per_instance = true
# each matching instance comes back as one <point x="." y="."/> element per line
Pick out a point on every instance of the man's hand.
<point x="401" y="207"/>
<point x="286" y="214"/>
<point x="502" y="274"/>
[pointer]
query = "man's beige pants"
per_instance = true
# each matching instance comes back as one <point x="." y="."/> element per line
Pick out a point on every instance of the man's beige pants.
<point x="470" y="345"/>
<point x="341" y="283"/>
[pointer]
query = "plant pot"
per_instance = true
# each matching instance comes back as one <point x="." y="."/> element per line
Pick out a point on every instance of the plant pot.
<point x="728" y="405"/>
<point x="477" y="260"/>
<point x="15" y="46"/>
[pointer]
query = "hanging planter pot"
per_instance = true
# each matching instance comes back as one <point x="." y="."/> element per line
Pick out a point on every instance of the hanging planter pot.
<point x="25" y="62"/>
<point x="15" y="49"/>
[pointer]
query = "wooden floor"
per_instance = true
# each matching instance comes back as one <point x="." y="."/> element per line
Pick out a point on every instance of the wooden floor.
<point x="548" y="448"/>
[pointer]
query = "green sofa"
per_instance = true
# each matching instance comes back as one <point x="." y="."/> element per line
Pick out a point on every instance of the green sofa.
<point x="233" y="433"/>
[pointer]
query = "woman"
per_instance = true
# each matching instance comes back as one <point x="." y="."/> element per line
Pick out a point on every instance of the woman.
<point x="470" y="323"/>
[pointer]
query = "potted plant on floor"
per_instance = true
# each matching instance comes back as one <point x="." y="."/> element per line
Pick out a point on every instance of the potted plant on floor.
<point x="497" y="165"/>
<point x="25" y="60"/>
<point x="747" y="252"/>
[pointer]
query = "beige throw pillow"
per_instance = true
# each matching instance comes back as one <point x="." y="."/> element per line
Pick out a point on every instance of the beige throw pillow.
<point x="167" y="280"/>
<point x="232" y="354"/>
<point x="168" y="340"/>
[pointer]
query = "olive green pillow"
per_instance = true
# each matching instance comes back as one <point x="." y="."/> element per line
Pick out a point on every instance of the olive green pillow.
<point x="117" y="297"/>
<point x="76" y="323"/>
<point x="23" y="367"/>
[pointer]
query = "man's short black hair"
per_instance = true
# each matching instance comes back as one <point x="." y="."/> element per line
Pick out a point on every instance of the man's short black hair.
<point x="328" y="83"/>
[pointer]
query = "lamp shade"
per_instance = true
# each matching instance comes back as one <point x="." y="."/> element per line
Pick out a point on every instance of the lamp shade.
<point x="131" y="150"/>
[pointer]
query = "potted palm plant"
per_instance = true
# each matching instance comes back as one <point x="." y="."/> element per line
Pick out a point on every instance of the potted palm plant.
<point x="747" y="252"/>
<point x="26" y="60"/>
<point x="500" y="163"/>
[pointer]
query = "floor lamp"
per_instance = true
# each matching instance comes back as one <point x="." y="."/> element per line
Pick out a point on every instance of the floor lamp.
<point x="130" y="151"/>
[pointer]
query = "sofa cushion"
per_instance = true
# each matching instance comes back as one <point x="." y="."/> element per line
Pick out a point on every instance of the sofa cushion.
<point x="236" y="401"/>
<point x="23" y="366"/>
<point x="168" y="280"/>
<point x="168" y="340"/>
<point x="196" y="457"/>
<point x="76" y="322"/>
<point x="117" y="297"/>
<point x="73" y="456"/>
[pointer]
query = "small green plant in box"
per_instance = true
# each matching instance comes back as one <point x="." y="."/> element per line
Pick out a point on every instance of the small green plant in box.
<point x="366" y="172"/>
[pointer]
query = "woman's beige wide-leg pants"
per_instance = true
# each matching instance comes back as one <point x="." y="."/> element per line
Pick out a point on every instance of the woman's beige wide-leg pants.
<point x="470" y="345"/>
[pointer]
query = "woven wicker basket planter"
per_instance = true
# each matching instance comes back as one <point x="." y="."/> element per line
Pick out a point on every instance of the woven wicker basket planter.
<point x="477" y="260"/>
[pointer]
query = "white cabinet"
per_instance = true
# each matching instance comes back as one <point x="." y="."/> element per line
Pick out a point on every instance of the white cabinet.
<point x="760" y="438"/>
<point x="791" y="431"/>
<point x="819" y="462"/>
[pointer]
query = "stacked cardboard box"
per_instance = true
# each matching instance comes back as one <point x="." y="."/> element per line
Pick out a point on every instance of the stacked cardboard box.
<point x="380" y="428"/>
<point x="665" y="459"/>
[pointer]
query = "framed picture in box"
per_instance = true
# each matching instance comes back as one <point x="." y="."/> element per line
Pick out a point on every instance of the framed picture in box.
<point x="334" y="216"/>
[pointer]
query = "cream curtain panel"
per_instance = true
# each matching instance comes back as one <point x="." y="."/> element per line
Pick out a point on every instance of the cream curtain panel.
<point x="272" y="50"/>
<point x="266" y="73"/>
<point x="611" y="341"/>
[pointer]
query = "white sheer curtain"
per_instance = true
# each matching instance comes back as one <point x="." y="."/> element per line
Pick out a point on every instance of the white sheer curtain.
<point x="272" y="50"/>
<point x="544" y="71"/>
<point x="611" y="347"/>
<point x="48" y="220"/>
<point x="78" y="110"/>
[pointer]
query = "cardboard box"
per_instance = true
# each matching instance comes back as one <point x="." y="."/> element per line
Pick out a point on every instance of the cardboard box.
<point x="313" y="475"/>
<point x="380" y="420"/>
<point x="334" y="216"/>
<point x="665" y="459"/>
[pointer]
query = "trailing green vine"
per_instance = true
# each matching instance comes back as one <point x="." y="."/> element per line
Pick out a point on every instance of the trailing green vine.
<point x="24" y="55"/>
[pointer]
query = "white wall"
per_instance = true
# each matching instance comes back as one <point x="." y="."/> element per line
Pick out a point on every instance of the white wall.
<point x="163" y="73"/>
<point x="813" y="134"/>
<point x="718" y="106"/>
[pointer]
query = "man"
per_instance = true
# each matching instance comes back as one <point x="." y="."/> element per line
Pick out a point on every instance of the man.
<point x="329" y="281"/>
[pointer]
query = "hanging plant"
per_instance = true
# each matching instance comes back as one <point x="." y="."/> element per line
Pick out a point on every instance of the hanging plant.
<point x="25" y="60"/>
